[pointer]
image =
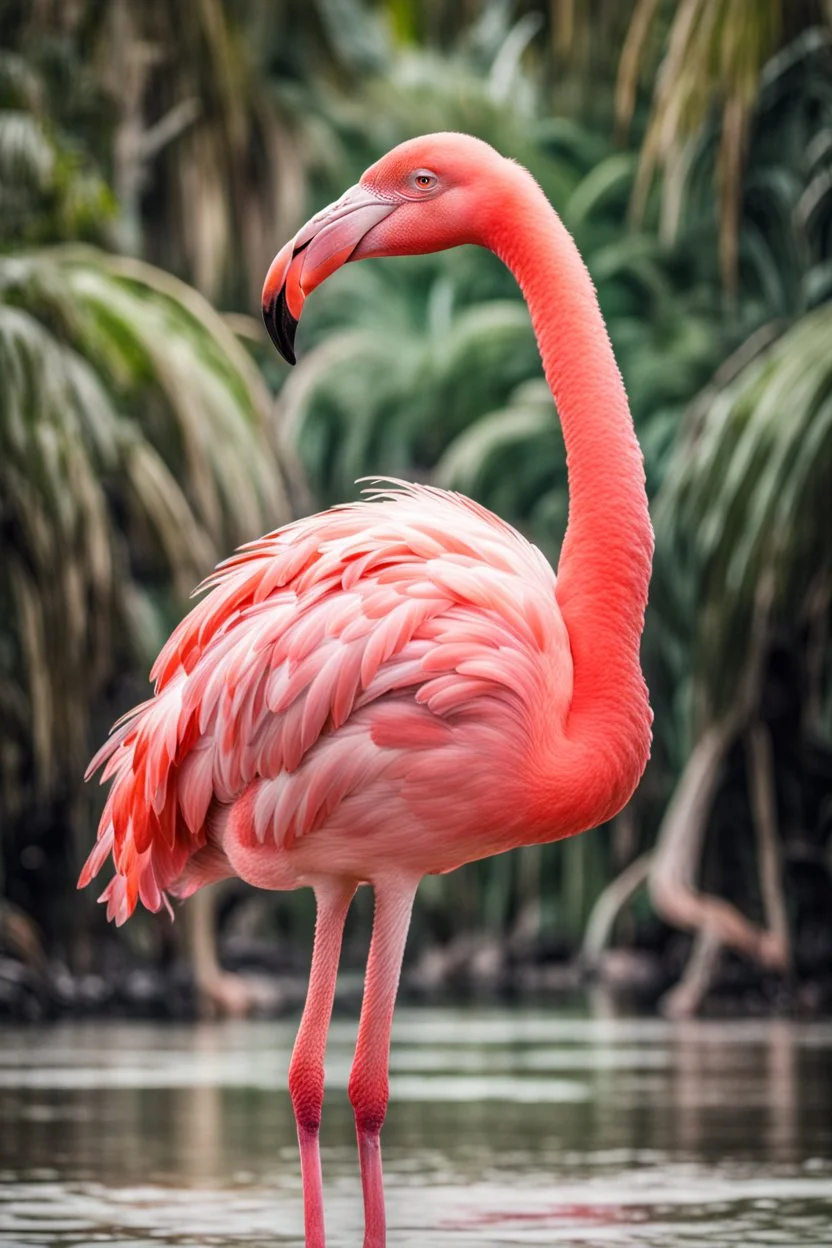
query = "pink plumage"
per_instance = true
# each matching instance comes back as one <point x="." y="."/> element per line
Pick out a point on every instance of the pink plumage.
<point x="399" y="686"/>
<point x="416" y="616"/>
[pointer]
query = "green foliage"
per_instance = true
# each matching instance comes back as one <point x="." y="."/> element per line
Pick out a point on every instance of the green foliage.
<point x="745" y="499"/>
<point x="133" y="448"/>
<point x="200" y="114"/>
<point x="713" y="59"/>
<point x="48" y="188"/>
<point x="132" y="452"/>
<point x="732" y="513"/>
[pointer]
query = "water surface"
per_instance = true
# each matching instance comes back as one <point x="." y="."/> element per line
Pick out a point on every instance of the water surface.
<point x="505" y="1128"/>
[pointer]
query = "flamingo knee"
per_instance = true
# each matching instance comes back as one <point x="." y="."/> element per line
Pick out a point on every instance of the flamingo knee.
<point x="306" y="1088"/>
<point x="369" y="1094"/>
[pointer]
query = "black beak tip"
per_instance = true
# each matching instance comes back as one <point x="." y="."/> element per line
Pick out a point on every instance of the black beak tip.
<point x="281" y="326"/>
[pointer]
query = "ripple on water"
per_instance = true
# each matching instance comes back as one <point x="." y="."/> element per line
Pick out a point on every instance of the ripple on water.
<point x="709" y="1212"/>
<point x="506" y="1129"/>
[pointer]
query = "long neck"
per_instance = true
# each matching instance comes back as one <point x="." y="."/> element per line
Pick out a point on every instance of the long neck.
<point x="605" y="560"/>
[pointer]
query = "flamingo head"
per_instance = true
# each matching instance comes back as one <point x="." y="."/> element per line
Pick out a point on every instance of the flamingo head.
<point x="427" y="194"/>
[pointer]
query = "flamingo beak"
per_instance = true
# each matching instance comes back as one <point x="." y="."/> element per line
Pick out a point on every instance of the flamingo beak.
<point x="326" y="242"/>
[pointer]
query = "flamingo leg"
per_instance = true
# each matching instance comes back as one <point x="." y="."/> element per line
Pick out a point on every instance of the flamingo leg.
<point x="306" y="1069"/>
<point x="368" y="1086"/>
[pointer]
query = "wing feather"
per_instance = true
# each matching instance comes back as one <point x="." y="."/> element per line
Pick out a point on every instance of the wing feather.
<point x="318" y="653"/>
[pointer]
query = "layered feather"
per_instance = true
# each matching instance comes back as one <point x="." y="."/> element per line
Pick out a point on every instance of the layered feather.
<point x="320" y="654"/>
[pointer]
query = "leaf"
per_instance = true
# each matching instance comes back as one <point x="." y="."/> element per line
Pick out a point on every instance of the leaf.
<point x="133" y="449"/>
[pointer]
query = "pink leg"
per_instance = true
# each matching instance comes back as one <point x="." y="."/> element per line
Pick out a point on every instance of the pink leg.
<point x="306" y="1069"/>
<point x="368" y="1087"/>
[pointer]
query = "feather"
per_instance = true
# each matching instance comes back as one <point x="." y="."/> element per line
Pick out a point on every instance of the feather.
<point x="320" y="656"/>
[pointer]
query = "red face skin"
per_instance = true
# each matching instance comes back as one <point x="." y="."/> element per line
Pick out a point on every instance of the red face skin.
<point x="426" y="195"/>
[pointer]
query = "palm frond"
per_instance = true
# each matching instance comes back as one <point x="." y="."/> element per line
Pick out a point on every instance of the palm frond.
<point x="744" y="494"/>
<point x="26" y="154"/>
<point x="714" y="59"/>
<point x="133" y="449"/>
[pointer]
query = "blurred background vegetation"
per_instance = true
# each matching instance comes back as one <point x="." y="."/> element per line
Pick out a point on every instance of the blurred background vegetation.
<point x="152" y="159"/>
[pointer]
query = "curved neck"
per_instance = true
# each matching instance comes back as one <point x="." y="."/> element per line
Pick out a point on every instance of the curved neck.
<point x="605" y="560"/>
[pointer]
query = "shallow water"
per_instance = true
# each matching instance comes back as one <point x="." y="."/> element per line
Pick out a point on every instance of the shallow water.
<point x="505" y="1128"/>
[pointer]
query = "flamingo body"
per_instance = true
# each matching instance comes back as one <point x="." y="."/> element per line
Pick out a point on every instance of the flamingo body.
<point x="399" y="686"/>
<point x="359" y="692"/>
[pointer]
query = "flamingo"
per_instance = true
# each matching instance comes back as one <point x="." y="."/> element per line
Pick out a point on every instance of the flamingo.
<point x="400" y="685"/>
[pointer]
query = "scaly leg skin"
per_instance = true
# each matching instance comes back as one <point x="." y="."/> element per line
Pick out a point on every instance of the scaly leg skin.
<point x="306" y="1069"/>
<point x="368" y="1086"/>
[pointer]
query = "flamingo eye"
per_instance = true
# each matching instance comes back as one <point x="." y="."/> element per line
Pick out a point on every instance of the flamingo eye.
<point x="423" y="180"/>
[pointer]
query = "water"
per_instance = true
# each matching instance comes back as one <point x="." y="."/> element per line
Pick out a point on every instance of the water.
<point x="505" y="1128"/>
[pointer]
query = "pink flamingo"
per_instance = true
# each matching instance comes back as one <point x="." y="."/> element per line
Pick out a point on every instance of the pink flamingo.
<point x="399" y="686"/>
